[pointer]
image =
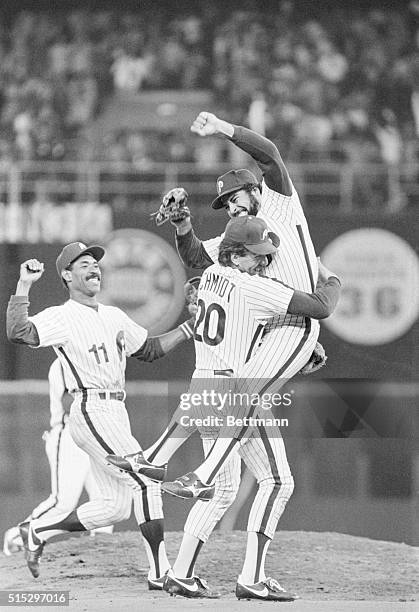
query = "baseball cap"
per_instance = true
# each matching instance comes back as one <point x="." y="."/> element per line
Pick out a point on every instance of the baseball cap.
<point x="253" y="233"/>
<point x="232" y="181"/>
<point x="73" y="251"/>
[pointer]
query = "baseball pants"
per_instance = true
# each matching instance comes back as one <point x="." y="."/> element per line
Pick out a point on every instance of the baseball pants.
<point x="280" y="356"/>
<point x="263" y="452"/>
<point x="101" y="427"/>
<point x="70" y="472"/>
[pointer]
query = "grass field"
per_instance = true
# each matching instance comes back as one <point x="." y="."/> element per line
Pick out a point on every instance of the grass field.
<point x="329" y="571"/>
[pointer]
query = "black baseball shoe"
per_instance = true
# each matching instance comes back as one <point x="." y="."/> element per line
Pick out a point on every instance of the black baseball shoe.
<point x="136" y="463"/>
<point x="268" y="590"/>
<point x="34" y="553"/>
<point x="189" y="487"/>
<point x="156" y="584"/>
<point x="193" y="588"/>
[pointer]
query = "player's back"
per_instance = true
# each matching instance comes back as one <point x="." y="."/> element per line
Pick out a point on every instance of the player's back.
<point x="233" y="308"/>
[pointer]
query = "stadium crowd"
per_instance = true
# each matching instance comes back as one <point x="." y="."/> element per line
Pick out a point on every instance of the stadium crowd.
<point x="341" y="83"/>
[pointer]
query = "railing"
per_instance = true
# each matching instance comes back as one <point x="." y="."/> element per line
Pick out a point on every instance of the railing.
<point x="337" y="185"/>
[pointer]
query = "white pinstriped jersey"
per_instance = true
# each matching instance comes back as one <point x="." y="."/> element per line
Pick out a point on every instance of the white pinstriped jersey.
<point x="233" y="308"/>
<point x="295" y="262"/>
<point x="91" y="344"/>
<point x="56" y="391"/>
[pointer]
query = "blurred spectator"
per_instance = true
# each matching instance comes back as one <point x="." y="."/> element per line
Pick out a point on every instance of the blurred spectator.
<point x="306" y="76"/>
<point x="130" y="72"/>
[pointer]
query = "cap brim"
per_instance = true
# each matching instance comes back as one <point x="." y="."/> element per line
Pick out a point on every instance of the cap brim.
<point x="218" y="202"/>
<point x="96" y="251"/>
<point x="263" y="248"/>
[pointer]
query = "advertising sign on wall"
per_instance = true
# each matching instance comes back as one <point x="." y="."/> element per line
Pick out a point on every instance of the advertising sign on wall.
<point x="144" y="276"/>
<point x="380" y="285"/>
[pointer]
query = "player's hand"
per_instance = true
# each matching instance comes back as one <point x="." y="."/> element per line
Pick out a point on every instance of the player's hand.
<point x="324" y="273"/>
<point x="206" y="124"/>
<point x="31" y="271"/>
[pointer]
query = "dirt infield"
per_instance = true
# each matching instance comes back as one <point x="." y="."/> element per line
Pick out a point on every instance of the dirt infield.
<point x="329" y="571"/>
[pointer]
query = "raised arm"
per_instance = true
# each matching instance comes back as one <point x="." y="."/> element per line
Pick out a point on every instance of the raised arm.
<point x="191" y="250"/>
<point x="262" y="150"/>
<point x="18" y="327"/>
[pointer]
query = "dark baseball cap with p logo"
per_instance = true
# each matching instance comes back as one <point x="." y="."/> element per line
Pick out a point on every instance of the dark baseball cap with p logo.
<point x="253" y="233"/>
<point x="73" y="251"/>
<point x="232" y="181"/>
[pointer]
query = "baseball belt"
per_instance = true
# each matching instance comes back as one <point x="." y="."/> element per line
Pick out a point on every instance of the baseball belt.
<point x="103" y="394"/>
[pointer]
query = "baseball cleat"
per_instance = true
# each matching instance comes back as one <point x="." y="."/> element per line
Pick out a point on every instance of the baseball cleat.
<point x="267" y="590"/>
<point x="156" y="584"/>
<point x="32" y="556"/>
<point x="189" y="487"/>
<point x="136" y="463"/>
<point x="188" y="587"/>
<point x="12" y="542"/>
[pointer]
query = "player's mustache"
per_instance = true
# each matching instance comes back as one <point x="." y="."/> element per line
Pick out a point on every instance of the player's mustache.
<point x="240" y="212"/>
<point x="93" y="275"/>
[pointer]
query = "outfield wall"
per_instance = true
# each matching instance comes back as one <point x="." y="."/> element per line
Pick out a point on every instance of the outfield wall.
<point x="377" y="335"/>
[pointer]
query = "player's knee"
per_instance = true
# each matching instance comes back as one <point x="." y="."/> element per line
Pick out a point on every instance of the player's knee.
<point x="116" y="510"/>
<point x="287" y="487"/>
<point x="281" y="487"/>
<point x="225" y="495"/>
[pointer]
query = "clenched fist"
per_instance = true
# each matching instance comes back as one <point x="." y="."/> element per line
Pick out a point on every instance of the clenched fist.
<point x="31" y="271"/>
<point x="207" y="124"/>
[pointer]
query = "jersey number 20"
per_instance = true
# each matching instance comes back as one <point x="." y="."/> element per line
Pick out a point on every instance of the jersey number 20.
<point x="218" y="314"/>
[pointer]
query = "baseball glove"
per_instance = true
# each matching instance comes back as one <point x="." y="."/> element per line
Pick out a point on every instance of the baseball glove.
<point x="173" y="207"/>
<point x="191" y="294"/>
<point x="317" y="360"/>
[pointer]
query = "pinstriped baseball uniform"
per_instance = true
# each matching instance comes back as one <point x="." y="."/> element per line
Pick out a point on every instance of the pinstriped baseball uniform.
<point x="92" y="346"/>
<point x="275" y="354"/>
<point x="69" y="465"/>
<point x="233" y="306"/>
<point x="295" y="264"/>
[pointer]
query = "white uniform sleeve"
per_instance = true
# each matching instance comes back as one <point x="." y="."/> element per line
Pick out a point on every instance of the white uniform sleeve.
<point x="51" y="327"/>
<point x="266" y="296"/>
<point x="56" y="392"/>
<point x="211" y="246"/>
<point x="135" y="335"/>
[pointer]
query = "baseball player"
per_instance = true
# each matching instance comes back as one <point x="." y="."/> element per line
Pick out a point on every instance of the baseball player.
<point x="69" y="466"/>
<point x="233" y="302"/>
<point x="280" y="349"/>
<point x="284" y="345"/>
<point x="92" y="342"/>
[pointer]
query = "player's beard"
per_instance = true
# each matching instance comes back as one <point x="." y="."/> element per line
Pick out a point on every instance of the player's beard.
<point x="253" y="208"/>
